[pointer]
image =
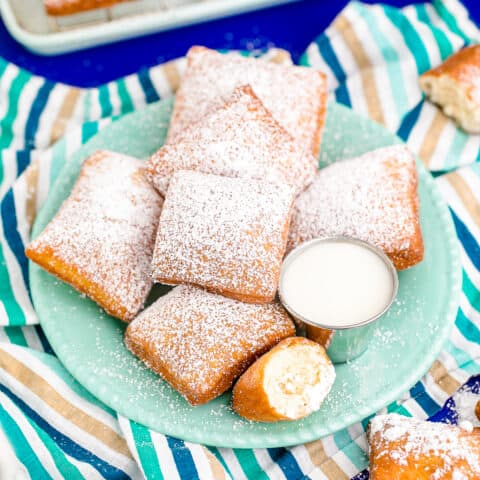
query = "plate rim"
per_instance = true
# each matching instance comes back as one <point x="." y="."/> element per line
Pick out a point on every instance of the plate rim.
<point x="284" y="438"/>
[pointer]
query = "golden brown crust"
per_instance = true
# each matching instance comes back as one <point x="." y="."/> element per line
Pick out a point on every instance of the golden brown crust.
<point x="250" y="398"/>
<point x="408" y="449"/>
<point x="322" y="336"/>
<point x="58" y="8"/>
<point x="200" y="342"/>
<point x="477" y="410"/>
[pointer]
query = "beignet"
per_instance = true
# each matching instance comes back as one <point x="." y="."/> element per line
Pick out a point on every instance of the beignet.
<point x="296" y="96"/>
<point x="239" y="139"/>
<point x="455" y="86"/>
<point x="372" y="197"/>
<point x="101" y="240"/>
<point x="403" y="448"/>
<point x="200" y="342"/>
<point x="69" y="7"/>
<point x="287" y="383"/>
<point x="225" y="234"/>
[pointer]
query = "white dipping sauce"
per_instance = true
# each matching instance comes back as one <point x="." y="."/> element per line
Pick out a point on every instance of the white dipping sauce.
<point x="337" y="284"/>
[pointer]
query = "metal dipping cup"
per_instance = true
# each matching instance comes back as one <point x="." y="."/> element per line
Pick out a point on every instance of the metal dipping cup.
<point x="350" y="341"/>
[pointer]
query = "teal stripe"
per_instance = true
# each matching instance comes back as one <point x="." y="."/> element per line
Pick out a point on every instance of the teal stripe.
<point x="449" y="19"/>
<point x="125" y="99"/>
<point x="104" y="100"/>
<point x="467" y="328"/>
<point x="14" y="312"/>
<point x="67" y="469"/>
<point x="59" y="153"/>
<point x="470" y="291"/>
<point x="87" y="104"/>
<point x="461" y="357"/>
<point x="22" y="448"/>
<point x="443" y="43"/>
<point x="146" y="451"/>
<point x="412" y="38"/>
<point x="392" y="60"/>
<point x="14" y="93"/>
<point x="349" y="447"/>
<point x="249" y="464"/>
<point x="16" y="336"/>
<point x="89" y="130"/>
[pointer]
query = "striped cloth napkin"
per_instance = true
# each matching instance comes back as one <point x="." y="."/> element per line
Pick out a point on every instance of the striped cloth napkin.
<point x="50" y="426"/>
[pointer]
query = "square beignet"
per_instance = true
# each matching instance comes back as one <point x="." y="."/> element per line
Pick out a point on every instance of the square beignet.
<point x="296" y="96"/>
<point x="372" y="197"/>
<point x="406" y="448"/>
<point x="455" y="86"/>
<point x="101" y="240"/>
<point x="199" y="342"/>
<point x="239" y="139"/>
<point x="225" y="234"/>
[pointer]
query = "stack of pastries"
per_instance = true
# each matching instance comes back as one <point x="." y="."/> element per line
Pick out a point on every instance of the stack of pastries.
<point x="213" y="213"/>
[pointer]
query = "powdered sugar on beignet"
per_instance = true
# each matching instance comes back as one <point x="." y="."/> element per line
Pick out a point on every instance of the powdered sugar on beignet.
<point x="101" y="240"/>
<point x="239" y="139"/>
<point x="372" y="197"/>
<point x="200" y="342"/>
<point x="225" y="234"/>
<point x="296" y="96"/>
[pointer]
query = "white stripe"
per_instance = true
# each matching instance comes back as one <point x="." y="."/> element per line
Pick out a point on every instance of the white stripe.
<point x="160" y="82"/>
<point x="128" y="435"/>
<point x="382" y="81"/>
<point x="469" y="310"/>
<point x="135" y="91"/>
<point x="9" y="162"/>
<point x="200" y="459"/>
<point x="456" y="40"/>
<point x="317" y="62"/>
<point x="95" y="107"/>
<point x="37" y="445"/>
<point x="329" y="446"/>
<point x="463" y="21"/>
<point x="357" y="434"/>
<point x="3" y="334"/>
<point x="232" y="463"/>
<point x="271" y="468"/>
<point x="342" y="460"/>
<point x="472" y="349"/>
<point x="10" y="467"/>
<point x="317" y="474"/>
<point x="5" y="84"/>
<point x="472" y="180"/>
<point x="419" y="131"/>
<point x="165" y="456"/>
<point x="442" y="147"/>
<point x="49" y="115"/>
<point x="470" y="150"/>
<point x="44" y="161"/>
<point x="25" y="101"/>
<point x="303" y="459"/>
<point x="433" y="389"/>
<point x="114" y="98"/>
<point x="32" y="338"/>
<point x="415" y="409"/>
<point x="470" y="269"/>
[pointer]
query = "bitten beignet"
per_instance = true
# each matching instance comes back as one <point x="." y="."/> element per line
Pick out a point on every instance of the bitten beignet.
<point x="200" y="342"/>
<point x="287" y="383"/>
<point x="70" y="7"/>
<point x="101" y="240"/>
<point x="225" y="234"/>
<point x="455" y="86"/>
<point x="403" y="448"/>
<point x="239" y="139"/>
<point x="372" y="197"/>
<point x="296" y="96"/>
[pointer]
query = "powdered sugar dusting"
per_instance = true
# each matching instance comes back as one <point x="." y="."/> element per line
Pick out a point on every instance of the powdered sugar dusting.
<point x="465" y="404"/>
<point x="239" y="139"/>
<point x="405" y="441"/>
<point x="297" y="102"/>
<point x="371" y="197"/>
<point x="201" y="341"/>
<point x="106" y="230"/>
<point x="225" y="234"/>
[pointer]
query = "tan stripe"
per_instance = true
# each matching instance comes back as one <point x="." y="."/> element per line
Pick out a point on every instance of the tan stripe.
<point x="173" y="77"/>
<point x="64" y="114"/>
<point x="31" y="178"/>
<point x="366" y="68"/>
<point x="465" y="193"/>
<point x="280" y="56"/>
<point x="326" y="464"/>
<point x="51" y="397"/>
<point x="431" y="137"/>
<point x="443" y="379"/>
<point x="218" y="471"/>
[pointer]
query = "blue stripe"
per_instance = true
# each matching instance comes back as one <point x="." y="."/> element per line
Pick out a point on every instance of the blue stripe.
<point x="43" y="340"/>
<point x="183" y="458"/>
<point x="65" y="443"/>
<point x="409" y="121"/>
<point x="23" y="160"/>
<point x="11" y="234"/>
<point x="468" y="241"/>
<point x="326" y="51"/>
<point x="147" y="86"/>
<point x="423" y="399"/>
<point x="36" y="110"/>
<point x="286" y="461"/>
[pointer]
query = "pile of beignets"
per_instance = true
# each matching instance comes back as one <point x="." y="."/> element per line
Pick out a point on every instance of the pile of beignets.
<point x="214" y="211"/>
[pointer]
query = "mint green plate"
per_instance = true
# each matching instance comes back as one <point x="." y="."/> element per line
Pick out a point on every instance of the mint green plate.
<point x="405" y="344"/>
